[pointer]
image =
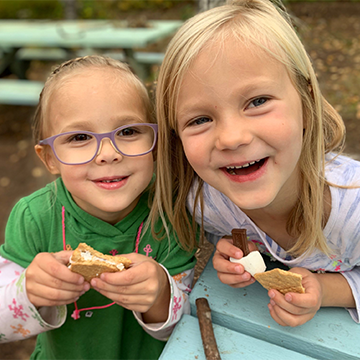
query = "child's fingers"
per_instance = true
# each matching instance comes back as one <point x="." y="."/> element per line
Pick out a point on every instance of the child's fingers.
<point x="293" y="303"/>
<point x="63" y="256"/>
<point x="53" y="265"/>
<point x="41" y="295"/>
<point x="223" y="265"/>
<point x="285" y="318"/>
<point x="227" y="249"/>
<point x="275" y="316"/>
<point x="142" y="278"/>
<point x="140" y="288"/>
<point x="236" y="281"/>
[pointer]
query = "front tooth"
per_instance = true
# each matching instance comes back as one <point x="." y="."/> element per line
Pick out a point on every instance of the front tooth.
<point x="243" y="166"/>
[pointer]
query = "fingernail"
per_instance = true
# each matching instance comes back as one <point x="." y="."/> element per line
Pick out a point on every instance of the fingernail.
<point x="288" y="297"/>
<point x="238" y="269"/>
<point x="272" y="302"/>
<point x="93" y="283"/>
<point x="238" y="255"/>
<point x="271" y="294"/>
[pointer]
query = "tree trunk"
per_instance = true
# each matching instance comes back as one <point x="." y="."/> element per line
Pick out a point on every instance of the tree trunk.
<point x="204" y="5"/>
<point x="70" y="9"/>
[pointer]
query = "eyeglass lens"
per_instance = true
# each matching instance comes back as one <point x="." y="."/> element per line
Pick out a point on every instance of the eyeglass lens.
<point x="77" y="147"/>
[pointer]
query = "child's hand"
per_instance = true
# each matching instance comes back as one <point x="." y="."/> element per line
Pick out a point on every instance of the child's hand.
<point x="229" y="273"/>
<point x="144" y="287"/>
<point x="293" y="309"/>
<point x="49" y="282"/>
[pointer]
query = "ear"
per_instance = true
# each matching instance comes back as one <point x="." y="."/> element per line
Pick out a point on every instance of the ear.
<point x="48" y="158"/>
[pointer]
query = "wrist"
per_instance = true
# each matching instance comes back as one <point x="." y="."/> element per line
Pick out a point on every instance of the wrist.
<point x="159" y="311"/>
<point x="335" y="290"/>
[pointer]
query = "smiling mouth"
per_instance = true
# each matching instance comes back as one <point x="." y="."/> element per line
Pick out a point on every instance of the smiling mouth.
<point x="246" y="168"/>
<point x="111" y="181"/>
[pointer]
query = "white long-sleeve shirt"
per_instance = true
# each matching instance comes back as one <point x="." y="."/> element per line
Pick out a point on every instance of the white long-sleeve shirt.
<point x="342" y="230"/>
<point x="13" y="293"/>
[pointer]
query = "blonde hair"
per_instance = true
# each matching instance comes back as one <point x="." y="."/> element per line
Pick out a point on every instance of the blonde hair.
<point x="267" y="26"/>
<point x="73" y="67"/>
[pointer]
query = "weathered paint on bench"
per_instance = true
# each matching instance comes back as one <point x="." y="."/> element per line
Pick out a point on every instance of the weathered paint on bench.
<point x="185" y="344"/>
<point x="331" y="334"/>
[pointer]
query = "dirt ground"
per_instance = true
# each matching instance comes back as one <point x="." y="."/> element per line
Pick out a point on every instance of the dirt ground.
<point x="328" y="31"/>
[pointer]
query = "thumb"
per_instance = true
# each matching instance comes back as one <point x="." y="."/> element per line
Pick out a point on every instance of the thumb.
<point x="63" y="256"/>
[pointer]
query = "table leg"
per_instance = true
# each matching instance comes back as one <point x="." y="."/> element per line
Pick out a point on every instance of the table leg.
<point x="139" y="69"/>
<point x="9" y="64"/>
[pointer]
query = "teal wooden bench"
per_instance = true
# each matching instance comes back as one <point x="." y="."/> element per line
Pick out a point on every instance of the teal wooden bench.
<point x="57" y="54"/>
<point x="331" y="334"/>
<point x="185" y="344"/>
<point x="143" y="61"/>
<point x="26" y="92"/>
<point x="90" y="35"/>
<point x="20" y="92"/>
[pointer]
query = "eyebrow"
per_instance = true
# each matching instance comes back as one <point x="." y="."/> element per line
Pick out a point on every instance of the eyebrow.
<point x="261" y="85"/>
<point x="86" y="125"/>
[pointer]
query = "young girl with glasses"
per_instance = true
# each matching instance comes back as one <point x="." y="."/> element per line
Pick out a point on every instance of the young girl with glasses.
<point x="249" y="141"/>
<point x="94" y="128"/>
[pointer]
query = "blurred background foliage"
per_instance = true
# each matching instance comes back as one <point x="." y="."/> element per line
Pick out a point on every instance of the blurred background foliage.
<point x="90" y="9"/>
<point x="104" y="9"/>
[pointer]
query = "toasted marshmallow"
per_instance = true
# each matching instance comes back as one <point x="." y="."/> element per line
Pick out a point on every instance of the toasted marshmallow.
<point x="252" y="263"/>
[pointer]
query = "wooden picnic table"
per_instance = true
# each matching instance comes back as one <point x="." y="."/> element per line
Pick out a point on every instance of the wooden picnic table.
<point x="81" y="34"/>
<point x="244" y="328"/>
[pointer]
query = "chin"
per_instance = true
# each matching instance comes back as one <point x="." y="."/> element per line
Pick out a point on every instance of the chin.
<point x="251" y="203"/>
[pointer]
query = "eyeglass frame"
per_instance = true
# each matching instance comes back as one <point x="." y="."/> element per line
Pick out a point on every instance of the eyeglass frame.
<point x="99" y="137"/>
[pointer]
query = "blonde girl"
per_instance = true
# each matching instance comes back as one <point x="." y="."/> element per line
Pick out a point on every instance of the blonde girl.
<point x="247" y="141"/>
<point x="94" y="128"/>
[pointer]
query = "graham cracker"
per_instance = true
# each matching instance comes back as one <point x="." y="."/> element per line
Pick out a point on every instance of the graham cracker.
<point x="90" y="268"/>
<point x="281" y="280"/>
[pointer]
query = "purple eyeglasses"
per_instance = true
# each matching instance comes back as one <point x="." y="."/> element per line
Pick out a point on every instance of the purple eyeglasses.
<point x="81" y="147"/>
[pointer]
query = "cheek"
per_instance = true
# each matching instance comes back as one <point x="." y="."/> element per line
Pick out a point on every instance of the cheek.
<point x="194" y="151"/>
<point x="72" y="175"/>
<point x="287" y="127"/>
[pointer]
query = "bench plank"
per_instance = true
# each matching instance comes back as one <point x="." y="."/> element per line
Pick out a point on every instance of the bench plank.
<point x="57" y="54"/>
<point x="20" y="92"/>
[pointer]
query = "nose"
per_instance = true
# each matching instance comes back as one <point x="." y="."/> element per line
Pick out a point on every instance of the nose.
<point x="232" y="133"/>
<point x="107" y="153"/>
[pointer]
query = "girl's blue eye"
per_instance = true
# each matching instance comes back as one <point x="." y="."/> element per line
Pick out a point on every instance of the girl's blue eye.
<point x="200" y="120"/>
<point x="258" y="101"/>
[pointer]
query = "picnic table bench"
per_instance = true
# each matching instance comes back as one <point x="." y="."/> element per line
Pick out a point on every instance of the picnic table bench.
<point x="24" y="40"/>
<point x="26" y="92"/>
<point x="331" y="334"/>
